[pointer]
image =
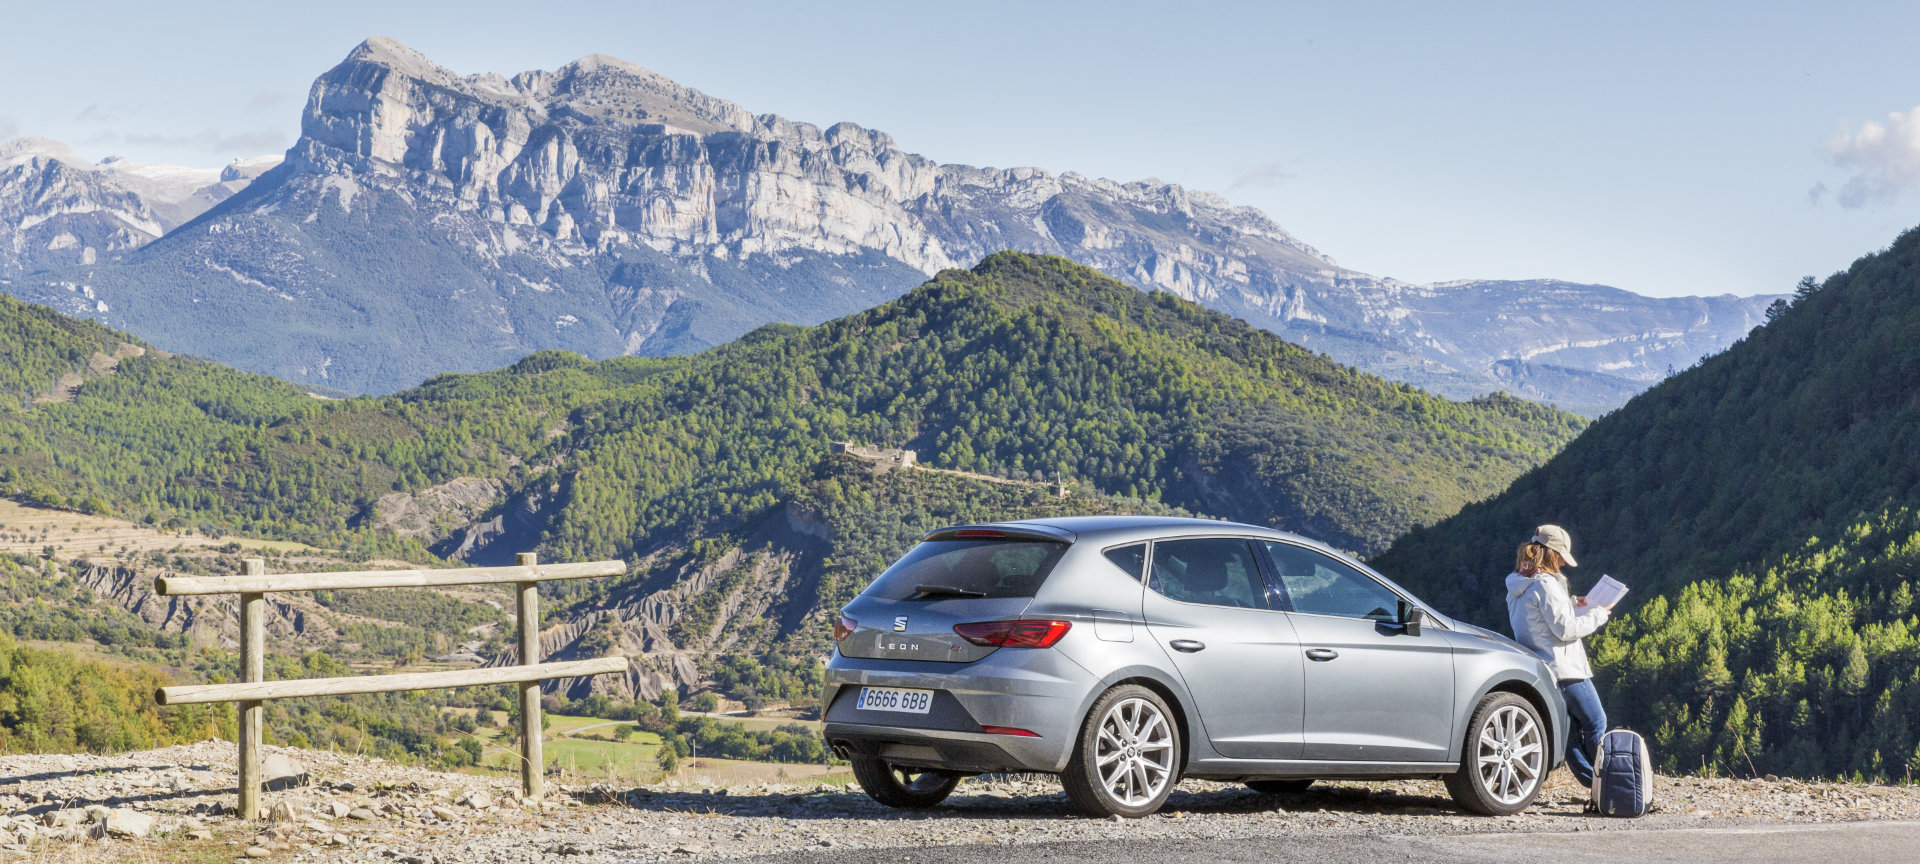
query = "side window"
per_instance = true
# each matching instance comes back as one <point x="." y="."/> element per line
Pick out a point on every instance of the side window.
<point x="1131" y="560"/>
<point x="1322" y="585"/>
<point x="1214" y="571"/>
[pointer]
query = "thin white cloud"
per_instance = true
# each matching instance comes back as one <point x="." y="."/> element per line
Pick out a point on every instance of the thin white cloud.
<point x="212" y="141"/>
<point x="105" y="113"/>
<point x="9" y="128"/>
<point x="1884" y="159"/>
<point x="268" y="101"/>
<point x="1265" y="175"/>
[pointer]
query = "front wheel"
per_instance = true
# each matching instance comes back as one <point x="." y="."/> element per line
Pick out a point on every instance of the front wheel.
<point x="1504" y="759"/>
<point x="902" y="787"/>
<point x="1128" y="756"/>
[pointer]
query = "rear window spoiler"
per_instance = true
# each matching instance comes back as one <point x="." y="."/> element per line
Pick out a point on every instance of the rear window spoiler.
<point x="991" y="531"/>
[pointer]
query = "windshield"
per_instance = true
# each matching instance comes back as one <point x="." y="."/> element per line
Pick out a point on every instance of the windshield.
<point x="940" y="569"/>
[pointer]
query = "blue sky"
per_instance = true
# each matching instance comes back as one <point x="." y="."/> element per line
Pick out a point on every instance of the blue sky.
<point x="1664" y="148"/>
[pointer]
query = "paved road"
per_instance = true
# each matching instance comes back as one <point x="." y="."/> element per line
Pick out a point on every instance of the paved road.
<point x="1849" y="843"/>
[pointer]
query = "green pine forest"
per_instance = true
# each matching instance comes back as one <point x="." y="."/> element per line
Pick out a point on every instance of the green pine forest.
<point x="1760" y="505"/>
<point x="1808" y="665"/>
<point x="1024" y="367"/>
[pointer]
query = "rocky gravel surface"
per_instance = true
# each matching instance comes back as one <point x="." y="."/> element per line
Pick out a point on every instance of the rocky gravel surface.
<point x="175" y="804"/>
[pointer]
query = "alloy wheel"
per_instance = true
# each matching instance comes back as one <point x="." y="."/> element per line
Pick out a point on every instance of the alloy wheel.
<point x="1510" y="756"/>
<point x="1134" y="752"/>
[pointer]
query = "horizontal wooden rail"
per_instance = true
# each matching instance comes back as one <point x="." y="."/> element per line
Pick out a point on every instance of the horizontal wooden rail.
<point x="176" y="586"/>
<point x="193" y="694"/>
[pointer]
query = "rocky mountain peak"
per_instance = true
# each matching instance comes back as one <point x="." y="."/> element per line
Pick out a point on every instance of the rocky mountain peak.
<point x="21" y="150"/>
<point x="603" y="208"/>
<point x="394" y="54"/>
<point x="248" y="169"/>
<point x="57" y="209"/>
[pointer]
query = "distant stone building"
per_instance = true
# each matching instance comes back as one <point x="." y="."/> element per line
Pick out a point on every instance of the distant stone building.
<point x="883" y="456"/>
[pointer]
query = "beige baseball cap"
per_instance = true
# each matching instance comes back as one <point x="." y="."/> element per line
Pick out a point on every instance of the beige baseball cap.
<point x="1556" y="538"/>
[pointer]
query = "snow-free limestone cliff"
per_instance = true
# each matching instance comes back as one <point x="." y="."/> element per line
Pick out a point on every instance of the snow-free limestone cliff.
<point x="427" y="221"/>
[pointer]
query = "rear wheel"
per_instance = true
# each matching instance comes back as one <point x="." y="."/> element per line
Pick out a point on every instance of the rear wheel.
<point x="1128" y="756"/>
<point x="1279" y="787"/>
<point x="1504" y="759"/>
<point x="900" y="786"/>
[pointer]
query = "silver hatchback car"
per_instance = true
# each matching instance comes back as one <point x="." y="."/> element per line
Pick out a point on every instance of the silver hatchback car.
<point x="1124" y="653"/>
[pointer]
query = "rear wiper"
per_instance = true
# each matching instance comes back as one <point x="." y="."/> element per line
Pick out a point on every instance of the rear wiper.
<point x="921" y="592"/>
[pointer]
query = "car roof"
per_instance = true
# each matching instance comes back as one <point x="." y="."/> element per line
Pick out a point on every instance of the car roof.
<point x="1104" y="531"/>
<point x="1120" y="529"/>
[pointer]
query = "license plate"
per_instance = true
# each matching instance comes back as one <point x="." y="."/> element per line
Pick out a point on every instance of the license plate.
<point x="895" y="699"/>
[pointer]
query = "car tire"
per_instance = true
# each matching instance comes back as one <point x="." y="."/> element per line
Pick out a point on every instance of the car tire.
<point x="1279" y="787"/>
<point x="900" y="786"/>
<point x="1503" y="759"/>
<point x="1127" y="760"/>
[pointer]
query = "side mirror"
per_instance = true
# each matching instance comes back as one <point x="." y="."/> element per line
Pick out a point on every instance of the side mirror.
<point x="1411" y="618"/>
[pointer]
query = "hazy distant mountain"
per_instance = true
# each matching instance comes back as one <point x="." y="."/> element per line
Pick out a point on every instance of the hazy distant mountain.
<point x="59" y="210"/>
<point x="427" y="222"/>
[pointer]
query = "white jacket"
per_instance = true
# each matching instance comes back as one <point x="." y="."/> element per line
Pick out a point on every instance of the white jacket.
<point x="1541" y="613"/>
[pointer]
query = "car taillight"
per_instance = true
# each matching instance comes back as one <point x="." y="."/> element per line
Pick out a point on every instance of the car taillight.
<point x="1013" y="634"/>
<point x="844" y="627"/>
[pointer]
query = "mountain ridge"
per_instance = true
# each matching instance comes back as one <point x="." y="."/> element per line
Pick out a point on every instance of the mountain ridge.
<point x="59" y="210"/>
<point x="604" y="209"/>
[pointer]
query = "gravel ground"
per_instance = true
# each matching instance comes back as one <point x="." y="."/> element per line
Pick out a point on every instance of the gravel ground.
<point x="172" y="805"/>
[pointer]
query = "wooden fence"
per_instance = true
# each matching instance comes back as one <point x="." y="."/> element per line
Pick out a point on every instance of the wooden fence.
<point x="254" y="584"/>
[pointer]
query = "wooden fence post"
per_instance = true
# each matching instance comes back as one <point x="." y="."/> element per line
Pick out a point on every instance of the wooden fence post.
<point x="532" y="766"/>
<point x="253" y="650"/>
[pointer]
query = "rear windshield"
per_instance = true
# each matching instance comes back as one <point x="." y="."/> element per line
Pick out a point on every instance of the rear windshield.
<point x="943" y="569"/>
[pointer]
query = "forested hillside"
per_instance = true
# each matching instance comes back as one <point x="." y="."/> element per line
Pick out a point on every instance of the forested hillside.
<point x="1038" y="367"/>
<point x="38" y="346"/>
<point x="1808" y="665"/>
<point x="52" y="700"/>
<point x="710" y="473"/>
<point x="1759" y="504"/>
<point x="1026" y="366"/>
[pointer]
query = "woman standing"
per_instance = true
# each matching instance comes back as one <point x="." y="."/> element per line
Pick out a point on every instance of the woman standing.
<point x="1551" y="622"/>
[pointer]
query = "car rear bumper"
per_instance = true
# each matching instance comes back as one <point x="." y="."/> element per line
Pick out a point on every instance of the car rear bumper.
<point x="1035" y="690"/>
<point x="949" y="751"/>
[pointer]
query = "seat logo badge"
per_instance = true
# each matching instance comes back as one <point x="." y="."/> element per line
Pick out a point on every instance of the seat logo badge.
<point x="900" y="624"/>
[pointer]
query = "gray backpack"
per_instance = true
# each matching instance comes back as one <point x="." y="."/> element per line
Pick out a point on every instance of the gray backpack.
<point x="1622" y="775"/>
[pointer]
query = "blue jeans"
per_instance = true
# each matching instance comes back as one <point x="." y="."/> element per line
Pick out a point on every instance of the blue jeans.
<point x="1587" y="722"/>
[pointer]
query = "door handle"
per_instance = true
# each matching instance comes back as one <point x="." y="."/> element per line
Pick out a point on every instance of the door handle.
<point x="1187" y="645"/>
<point x="1321" y="654"/>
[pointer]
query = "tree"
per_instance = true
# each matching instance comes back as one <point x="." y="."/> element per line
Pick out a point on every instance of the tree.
<point x="1853" y="678"/>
